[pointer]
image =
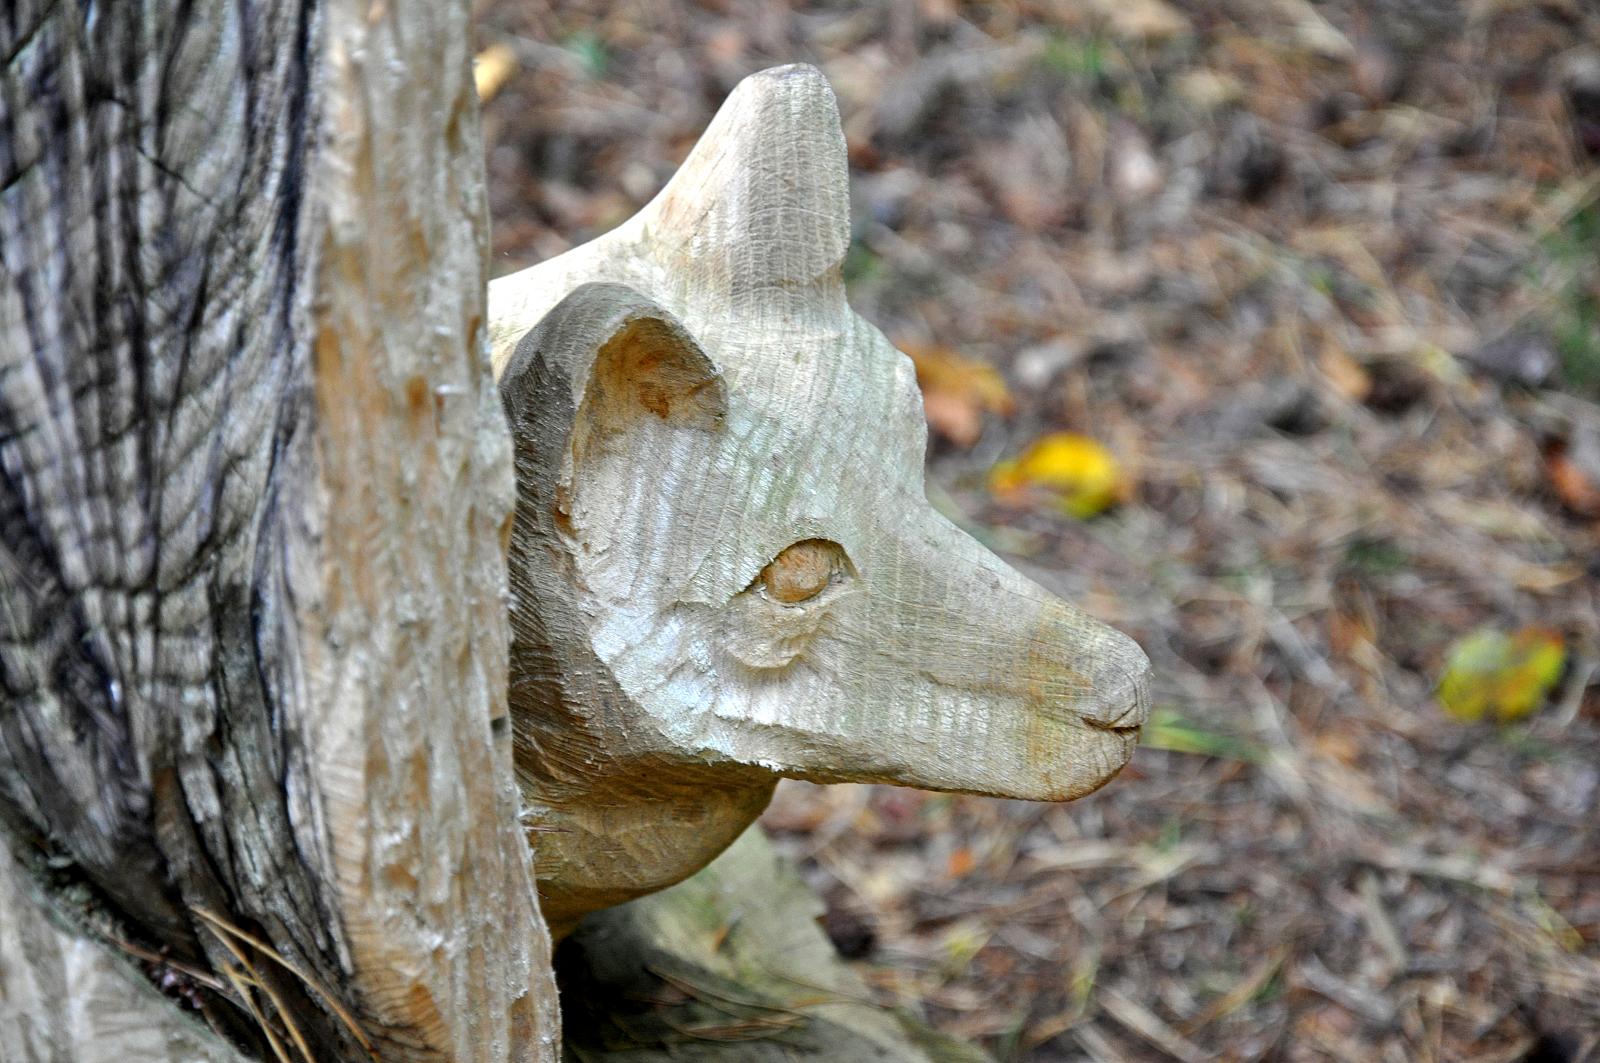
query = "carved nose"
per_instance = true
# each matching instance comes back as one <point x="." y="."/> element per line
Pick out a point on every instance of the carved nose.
<point x="1125" y="705"/>
<point x="1120" y="700"/>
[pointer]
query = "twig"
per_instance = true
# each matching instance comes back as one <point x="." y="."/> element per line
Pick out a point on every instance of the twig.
<point x="1144" y="1022"/>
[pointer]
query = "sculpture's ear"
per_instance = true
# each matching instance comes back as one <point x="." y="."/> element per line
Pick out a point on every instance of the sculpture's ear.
<point x="761" y="207"/>
<point x="604" y="360"/>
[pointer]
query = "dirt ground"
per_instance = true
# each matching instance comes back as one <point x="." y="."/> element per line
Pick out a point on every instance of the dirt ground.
<point x="1325" y="279"/>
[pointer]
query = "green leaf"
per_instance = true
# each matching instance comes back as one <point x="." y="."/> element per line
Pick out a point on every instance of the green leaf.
<point x="1169" y="730"/>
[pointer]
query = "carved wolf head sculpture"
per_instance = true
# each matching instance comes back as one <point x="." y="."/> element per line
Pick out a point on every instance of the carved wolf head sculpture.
<point x="724" y="569"/>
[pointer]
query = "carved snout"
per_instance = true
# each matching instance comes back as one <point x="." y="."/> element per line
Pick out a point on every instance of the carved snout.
<point x="948" y="670"/>
<point x="1084" y="667"/>
<point x="1069" y="693"/>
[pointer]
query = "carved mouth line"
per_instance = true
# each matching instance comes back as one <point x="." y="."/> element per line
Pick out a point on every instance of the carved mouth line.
<point x="1138" y="709"/>
<point x="1116" y="727"/>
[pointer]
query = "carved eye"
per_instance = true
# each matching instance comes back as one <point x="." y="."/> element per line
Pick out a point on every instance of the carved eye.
<point x="802" y="571"/>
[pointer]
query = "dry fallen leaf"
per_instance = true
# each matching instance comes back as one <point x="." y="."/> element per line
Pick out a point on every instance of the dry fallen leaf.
<point x="1570" y="479"/>
<point x="958" y="391"/>
<point x="1143" y="20"/>
<point x="960" y="863"/>
<point x="1348" y="376"/>
<point x="1508" y="675"/>
<point x="1072" y="472"/>
<point x="1207" y="89"/>
<point x="492" y="68"/>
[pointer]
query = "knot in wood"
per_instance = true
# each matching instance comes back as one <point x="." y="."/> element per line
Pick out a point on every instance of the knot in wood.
<point x="801" y="571"/>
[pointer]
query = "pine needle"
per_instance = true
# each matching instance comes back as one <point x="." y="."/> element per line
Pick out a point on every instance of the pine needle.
<point x="223" y="927"/>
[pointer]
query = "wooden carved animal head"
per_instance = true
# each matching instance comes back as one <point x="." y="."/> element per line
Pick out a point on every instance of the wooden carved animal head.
<point x="724" y="568"/>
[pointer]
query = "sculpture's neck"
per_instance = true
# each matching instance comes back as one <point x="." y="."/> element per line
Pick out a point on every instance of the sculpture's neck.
<point x="613" y="810"/>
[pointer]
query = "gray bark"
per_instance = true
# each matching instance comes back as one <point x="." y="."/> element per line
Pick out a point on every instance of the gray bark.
<point x="254" y="490"/>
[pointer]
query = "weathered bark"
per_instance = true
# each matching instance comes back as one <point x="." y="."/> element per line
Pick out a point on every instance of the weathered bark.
<point x="254" y="493"/>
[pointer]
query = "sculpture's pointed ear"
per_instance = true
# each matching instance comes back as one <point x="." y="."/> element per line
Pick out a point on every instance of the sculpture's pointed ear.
<point x="603" y="360"/>
<point x="762" y="204"/>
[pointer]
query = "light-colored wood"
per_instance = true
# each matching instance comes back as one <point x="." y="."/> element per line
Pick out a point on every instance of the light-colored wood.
<point x="730" y="966"/>
<point x="254" y="494"/>
<point x="66" y="997"/>
<point x="724" y="568"/>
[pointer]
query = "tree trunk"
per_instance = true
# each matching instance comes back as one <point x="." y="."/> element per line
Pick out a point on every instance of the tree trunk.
<point x="254" y="494"/>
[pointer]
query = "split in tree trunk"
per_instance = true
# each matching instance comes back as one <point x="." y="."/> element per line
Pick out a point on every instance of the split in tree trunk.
<point x="254" y="492"/>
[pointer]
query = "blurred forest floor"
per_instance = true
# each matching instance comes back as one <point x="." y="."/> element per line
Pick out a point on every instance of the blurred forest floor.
<point x="1324" y="278"/>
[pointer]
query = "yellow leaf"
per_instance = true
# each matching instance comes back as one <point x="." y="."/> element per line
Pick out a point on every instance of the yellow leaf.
<point x="1073" y="472"/>
<point x="492" y="69"/>
<point x="1490" y="672"/>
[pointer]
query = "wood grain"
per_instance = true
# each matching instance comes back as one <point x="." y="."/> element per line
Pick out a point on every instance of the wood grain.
<point x="78" y="1001"/>
<point x="745" y="579"/>
<point x="254" y="488"/>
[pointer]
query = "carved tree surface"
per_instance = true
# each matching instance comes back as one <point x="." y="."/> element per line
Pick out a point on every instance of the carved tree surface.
<point x="724" y="567"/>
<point x="731" y="966"/>
<point x="66" y="997"/>
<point x="254" y="492"/>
